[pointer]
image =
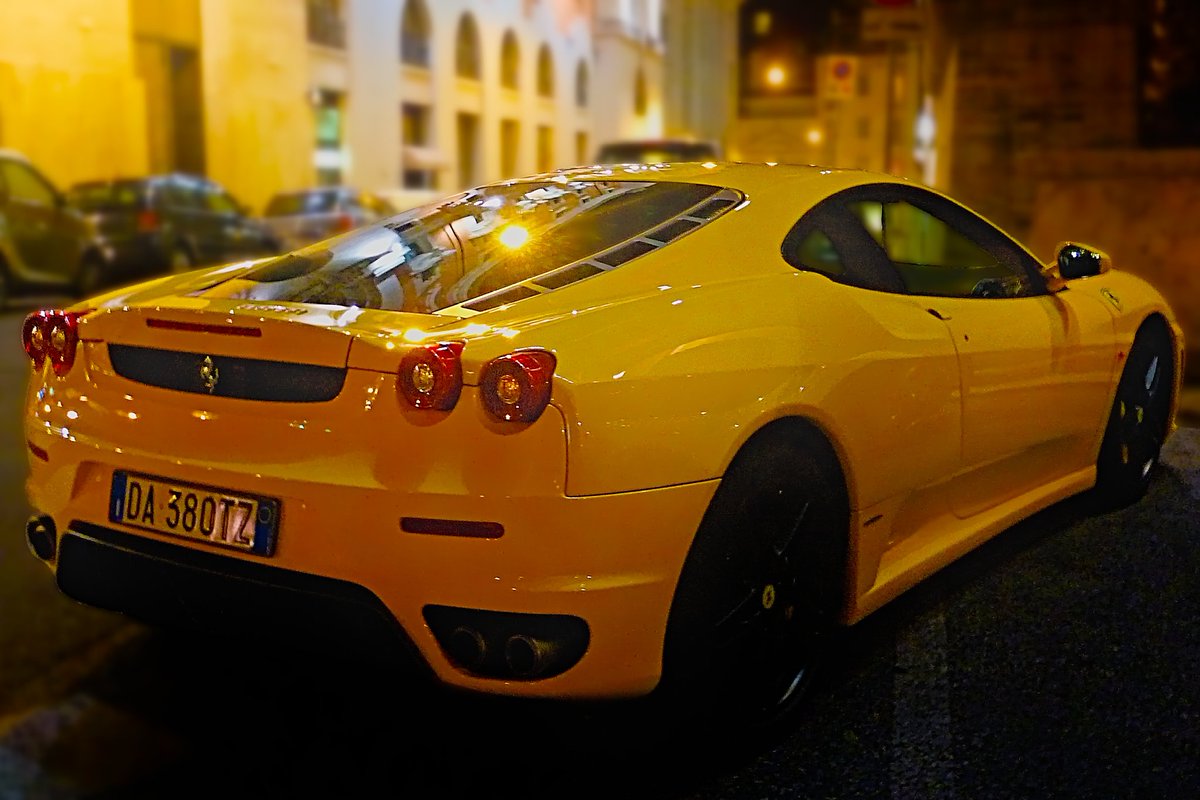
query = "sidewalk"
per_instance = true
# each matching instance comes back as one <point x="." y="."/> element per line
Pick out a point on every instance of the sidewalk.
<point x="1189" y="405"/>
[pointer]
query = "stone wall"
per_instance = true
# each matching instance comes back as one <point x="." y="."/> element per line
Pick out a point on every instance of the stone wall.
<point x="1139" y="206"/>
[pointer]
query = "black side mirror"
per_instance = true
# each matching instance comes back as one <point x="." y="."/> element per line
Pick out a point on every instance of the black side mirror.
<point x="1081" y="261"/>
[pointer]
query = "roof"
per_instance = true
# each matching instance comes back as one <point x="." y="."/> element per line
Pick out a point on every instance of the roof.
<point x="747" y="177"/>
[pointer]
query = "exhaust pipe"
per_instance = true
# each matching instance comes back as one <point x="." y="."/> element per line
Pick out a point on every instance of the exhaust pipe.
<point x="528" y="656"/>
<point x="467" y="646"/>
<point x="42" y="536"/>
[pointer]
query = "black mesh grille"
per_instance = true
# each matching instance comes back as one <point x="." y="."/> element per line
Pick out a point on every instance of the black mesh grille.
<point x="242" y="378"/>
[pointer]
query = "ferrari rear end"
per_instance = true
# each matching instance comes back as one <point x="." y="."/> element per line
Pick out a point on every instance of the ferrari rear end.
<point x="283" y="450"/>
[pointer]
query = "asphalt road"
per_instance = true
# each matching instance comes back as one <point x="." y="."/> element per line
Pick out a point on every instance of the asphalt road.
<point x="1059" y="660"/>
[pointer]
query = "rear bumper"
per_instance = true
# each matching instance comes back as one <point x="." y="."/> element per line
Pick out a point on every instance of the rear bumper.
<point x="165" y="583"/>
<point x="344" y="565"/>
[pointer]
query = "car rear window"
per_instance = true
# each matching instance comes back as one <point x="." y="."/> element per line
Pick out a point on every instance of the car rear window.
<point x="107" y="196"/>
<point x="294" y="203"/>
<point x="487" y="247"/>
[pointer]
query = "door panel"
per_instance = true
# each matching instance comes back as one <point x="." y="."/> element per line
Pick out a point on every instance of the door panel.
<point x="32" y="212"/>
<point x="1036" y="374"/>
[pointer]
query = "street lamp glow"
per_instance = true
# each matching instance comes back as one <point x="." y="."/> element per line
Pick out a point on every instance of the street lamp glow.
<point x="815" y="136"/>
<point x="776" y="76"/>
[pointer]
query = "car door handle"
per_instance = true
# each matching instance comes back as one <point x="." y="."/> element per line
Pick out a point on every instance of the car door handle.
<point x="938" y="314"/>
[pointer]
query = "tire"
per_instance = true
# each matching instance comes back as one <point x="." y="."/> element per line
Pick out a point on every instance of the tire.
<point x="92" y="275"/>
<point x="180" y="260"/>
<point x="762" y="583"/>
<point x="1137" y="423"/>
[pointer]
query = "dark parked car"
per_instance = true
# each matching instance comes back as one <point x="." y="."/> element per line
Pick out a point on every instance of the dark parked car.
<point x="656" y="151"/>
<point x="169" y="223"/>
<point x="44" y="243"/>
<point x="299" y="218"/>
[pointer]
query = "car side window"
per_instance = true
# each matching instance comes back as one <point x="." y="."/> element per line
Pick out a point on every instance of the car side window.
<point x="830" y="240"/>
<point x="943" y="250"/>
<point x="219" y="201"/>
<point x="184" y="196"/>
<point x="26" y="185"/>
<point x="816" y="251"/>
<point x="934" y="258"/>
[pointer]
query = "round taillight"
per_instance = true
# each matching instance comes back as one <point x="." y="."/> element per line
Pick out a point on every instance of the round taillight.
<point x="33" y="337"/>
<point x="431" y="376"/>
<point x="52" y="336"/>
<point x="516" y="387"/>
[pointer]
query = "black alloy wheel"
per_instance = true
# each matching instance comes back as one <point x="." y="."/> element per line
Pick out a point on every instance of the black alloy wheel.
<point x="762" y="583"/>
<point x="1137" y="424"/>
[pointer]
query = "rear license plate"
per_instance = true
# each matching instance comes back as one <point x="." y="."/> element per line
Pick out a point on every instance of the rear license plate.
<point x="229" y="519"/>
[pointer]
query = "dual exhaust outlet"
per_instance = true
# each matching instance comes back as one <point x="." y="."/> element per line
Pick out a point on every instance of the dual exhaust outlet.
<point x="526" y="656"/>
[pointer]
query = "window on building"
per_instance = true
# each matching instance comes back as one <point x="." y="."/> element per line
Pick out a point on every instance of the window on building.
<point x="510" y="62"/>
<point x="416" y="33"/>
<point x="545" y="72"/>
<point x="468" y="149"/>
<point x="640" y="100"/>
<point x="326" y="26"/>
<point x="581" y="84"/>
<point x="416" y="138"/>
<point x="510" y="148"/>
<point x="466" y="52"/>
<point x="330" y="119"/>
<point x="545" y="148"/>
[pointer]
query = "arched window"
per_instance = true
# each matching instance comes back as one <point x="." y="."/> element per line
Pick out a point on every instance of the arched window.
<point x="545" y="72"/>
<point x="581" y="84"/>
<point x="639" y="94"/>
<point x="415" y="34"/>
<point x="466" y="51"/>
<point x="326" y="25"/>
<point x="510" y="61"/>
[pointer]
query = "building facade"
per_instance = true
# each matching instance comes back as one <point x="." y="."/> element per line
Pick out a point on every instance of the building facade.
<point x="410" y="97"/>
<point x="827" y="83"/>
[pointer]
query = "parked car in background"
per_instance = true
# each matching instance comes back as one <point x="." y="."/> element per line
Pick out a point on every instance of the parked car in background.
<point x="657" y="151"/>
<point x="44" y="243"/>
<point x="169" y="223"/>
<point x="299" y="218"/>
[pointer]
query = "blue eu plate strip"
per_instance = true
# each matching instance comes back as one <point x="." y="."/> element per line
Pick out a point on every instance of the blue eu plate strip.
<point x="116" y="499"/>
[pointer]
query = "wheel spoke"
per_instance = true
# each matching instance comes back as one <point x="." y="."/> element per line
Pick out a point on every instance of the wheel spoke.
<point x="746" y="610"/>
<point x="785" y="546"/>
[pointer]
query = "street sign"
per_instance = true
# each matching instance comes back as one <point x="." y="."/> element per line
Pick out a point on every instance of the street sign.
<point x="840" y="78"/>
<point x="900" y="23"/>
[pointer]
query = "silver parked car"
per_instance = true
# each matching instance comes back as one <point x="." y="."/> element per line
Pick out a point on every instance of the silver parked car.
<point x="300" y="218"/>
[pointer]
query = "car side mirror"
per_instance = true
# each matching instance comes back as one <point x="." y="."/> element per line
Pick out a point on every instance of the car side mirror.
<point x="1075" y="260"/>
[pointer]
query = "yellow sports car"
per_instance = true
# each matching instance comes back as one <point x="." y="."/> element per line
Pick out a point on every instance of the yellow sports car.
<point x="591" y="432"/>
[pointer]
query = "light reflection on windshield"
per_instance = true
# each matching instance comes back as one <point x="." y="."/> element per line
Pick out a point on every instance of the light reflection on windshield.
<point x="446" y="254"/>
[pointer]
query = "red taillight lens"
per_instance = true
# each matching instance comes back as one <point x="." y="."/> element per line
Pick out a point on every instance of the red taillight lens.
<point x="147" y="221"/>
<point x="344" y="223"/>
<point x="33" y="337"/>
<point x="52" y="336"/>
<point x="431" y="376"/>
<point x="516" y="387"/>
